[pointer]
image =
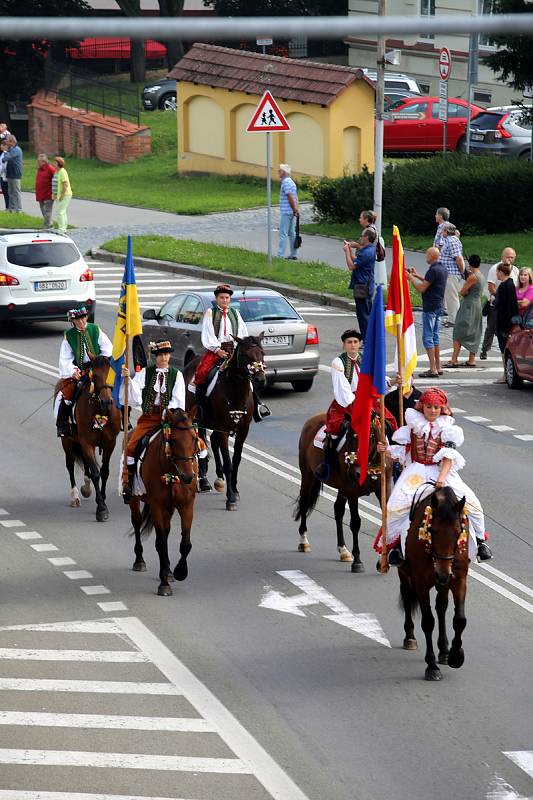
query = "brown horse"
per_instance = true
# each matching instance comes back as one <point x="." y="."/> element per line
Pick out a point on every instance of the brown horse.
<point x="97" y="425"/>
<point x="344" y="478"/>
<point x="229" y="410"/>
<point x="169" y="474"/>
<point x="436" y="555"/>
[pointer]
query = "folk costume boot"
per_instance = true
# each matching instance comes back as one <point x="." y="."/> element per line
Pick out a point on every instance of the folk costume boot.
<point x="324" y="470"/>
<point x="63" y="419"/>
<point x="127" y="488"/>
<point x="203" y="482"/>
<point x="484" y="553"/>
<point x="394" y="557"/>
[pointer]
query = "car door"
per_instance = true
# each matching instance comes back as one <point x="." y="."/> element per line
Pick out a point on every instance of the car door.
<point x="524" y="349"/>
<point x="407" y="129"/>
<point x="166" y="319"/>
<point x="188" y="330"/>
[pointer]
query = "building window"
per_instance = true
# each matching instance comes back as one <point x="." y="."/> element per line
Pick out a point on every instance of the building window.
<point x="427" y="9"/>
<point x="486" y="7"/>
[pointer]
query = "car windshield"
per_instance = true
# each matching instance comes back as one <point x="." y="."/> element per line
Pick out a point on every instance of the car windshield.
<point x="258" y="309"/>
<point x="43" y="254"/>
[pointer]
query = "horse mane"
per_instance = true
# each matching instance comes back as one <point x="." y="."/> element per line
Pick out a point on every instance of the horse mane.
<point x="100" y="361"/>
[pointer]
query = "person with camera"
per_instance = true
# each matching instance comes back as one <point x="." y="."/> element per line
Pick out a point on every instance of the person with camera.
<point x="362" y="267"/>
<point x="432" y="288"/>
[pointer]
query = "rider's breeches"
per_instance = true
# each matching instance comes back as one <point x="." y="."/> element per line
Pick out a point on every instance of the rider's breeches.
<point x="146" y="423"/>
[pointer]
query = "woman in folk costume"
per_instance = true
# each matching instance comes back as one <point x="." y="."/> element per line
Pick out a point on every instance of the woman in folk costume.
<point x="427" y="445"/>
<point x="81" y="342"/>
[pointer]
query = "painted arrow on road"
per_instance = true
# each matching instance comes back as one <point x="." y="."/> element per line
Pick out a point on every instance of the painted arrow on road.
<point x="499" y="789"/>
<point x="313" y="594"/>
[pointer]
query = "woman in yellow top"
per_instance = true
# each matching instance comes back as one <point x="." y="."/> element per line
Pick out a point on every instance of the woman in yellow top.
<point x="62" y="193"/>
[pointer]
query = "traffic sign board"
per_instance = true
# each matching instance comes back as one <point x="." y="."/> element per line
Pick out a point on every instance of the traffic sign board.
<point x="445" y="64"/>
<point x="443" y="101"/>
<point x="268" y="117"/>
<point x="264" y="41"/>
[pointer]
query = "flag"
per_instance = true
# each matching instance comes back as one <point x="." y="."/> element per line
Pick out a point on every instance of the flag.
<point x="400" y="314"/>
<point x="371" y="380"/>
<point x="128" y="324"/>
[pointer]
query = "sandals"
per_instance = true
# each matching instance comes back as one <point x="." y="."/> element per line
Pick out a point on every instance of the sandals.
<point x="429" y="374"/>
<point x="451" y="365"/>
<point x="467" y="364"/>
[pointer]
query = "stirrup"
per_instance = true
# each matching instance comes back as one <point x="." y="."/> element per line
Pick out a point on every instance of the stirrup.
<point x="394" y="557"/>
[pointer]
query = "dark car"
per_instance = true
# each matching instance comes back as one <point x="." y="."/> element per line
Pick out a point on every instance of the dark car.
<point x="502" y="132"/>
<point x="519" y="350"/>
<point x="290" y="344"/>
<point x="160" y="95"/>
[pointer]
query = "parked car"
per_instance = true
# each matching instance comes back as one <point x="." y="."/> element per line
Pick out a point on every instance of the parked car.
<point x="160" y="95"/>
<point x="518" y="354"/>
<point x="394" y="81"/>
<point x="416" y="127"/>
<point x="396" y="97"/>
<point x="42" y="276"/>
<point x="500" y="131"/>
<point x="291" y="345"/>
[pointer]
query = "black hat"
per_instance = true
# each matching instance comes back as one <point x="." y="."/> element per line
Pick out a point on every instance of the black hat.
<point x="161" y="346"/>
<point x="77" y="313"/>
<point x="223" y="288"/>
<point x="351" y="333"/>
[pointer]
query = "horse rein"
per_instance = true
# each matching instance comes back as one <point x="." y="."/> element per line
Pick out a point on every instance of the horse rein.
<point x="426" y="526"/>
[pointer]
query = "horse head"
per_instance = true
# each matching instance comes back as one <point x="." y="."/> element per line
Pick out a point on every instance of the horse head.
<point x="446" y="532"/>
<point x="98" y="371"/>
<point x="181" y="443"/>
<point x="249" y="358"/>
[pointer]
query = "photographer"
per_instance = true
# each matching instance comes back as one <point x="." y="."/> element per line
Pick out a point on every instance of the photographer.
<point x="362" y="280"/>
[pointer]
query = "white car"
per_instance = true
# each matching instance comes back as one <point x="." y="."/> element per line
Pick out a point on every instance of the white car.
<point x="42" y="276"/>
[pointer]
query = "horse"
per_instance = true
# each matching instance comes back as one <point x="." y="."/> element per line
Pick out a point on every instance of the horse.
<point x="228" y="411"/>
<point x="436" y="555"/>
<point x="344" y="478"/>
<point x="169" y="474"/>
<point x="97" y="425"/>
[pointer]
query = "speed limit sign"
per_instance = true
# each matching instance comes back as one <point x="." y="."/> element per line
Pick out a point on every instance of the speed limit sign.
<point x="445" y="64"/>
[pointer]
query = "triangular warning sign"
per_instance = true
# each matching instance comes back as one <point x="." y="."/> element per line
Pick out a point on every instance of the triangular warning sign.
<point x="268" y="117"/>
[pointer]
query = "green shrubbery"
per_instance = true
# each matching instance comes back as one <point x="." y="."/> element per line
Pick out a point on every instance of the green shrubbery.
<point x="485" y="195"/>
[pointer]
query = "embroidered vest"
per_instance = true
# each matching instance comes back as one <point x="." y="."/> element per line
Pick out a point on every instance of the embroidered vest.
<point x="77" y="339"/>
<point x="349" y="366"/>
<point x="423" y="450"/>
<point x="231" y="316"/>
<point x="148" y="393"/>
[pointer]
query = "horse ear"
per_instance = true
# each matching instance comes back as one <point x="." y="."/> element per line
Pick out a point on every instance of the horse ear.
<point x="261" y="336"/>
<point x="192" y="412"/>
<point x="460" y="505"/>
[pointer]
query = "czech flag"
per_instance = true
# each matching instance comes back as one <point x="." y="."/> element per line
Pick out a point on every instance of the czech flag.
<point x="371" y="380"/>
<point x="399" y="314"/>
<point x="128" y="324"/>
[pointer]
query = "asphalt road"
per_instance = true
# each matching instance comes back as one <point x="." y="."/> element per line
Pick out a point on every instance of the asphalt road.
<point x="208" y="695"/>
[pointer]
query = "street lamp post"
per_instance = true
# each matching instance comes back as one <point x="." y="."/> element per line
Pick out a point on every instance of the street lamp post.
<point x="380" y="110"/>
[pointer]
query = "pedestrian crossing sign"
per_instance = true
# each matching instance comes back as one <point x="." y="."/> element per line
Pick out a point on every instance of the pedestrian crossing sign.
<point x="268" y="117"/>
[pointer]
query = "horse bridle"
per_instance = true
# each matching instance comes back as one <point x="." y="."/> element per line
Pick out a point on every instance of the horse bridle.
<point x="434" y="556"/>
<point x="171" y="457"/>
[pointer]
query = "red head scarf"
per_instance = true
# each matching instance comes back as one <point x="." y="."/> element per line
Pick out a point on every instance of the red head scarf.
<point x="434" y="397"/>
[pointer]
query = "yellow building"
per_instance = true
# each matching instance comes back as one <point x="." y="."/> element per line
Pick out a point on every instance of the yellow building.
<point x="329" y="108"/>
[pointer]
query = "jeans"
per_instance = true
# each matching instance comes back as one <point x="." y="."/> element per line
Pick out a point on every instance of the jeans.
<point x="5" y="191"/>
<point x="46" y="211"/>
<point x="489" y="331"/>
<point x="287" y="227"/>
<point x="362" y="309"/>
<point x="15" y="196"/>
<point x="430" y="328"/>
<point x="61" y="209"/>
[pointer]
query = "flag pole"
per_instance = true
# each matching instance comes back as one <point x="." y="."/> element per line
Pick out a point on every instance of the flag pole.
<point x="399" y="346"/>
<point x="384" y="564"/>
<point x="126" y="415"/>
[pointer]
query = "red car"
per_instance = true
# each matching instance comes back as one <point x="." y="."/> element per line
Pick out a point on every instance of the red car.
<point x="415" y="125"/>
<point x="519" y="351"/>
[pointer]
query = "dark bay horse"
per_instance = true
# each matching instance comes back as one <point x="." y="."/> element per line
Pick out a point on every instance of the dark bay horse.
<point x="436" y="555"/>
<point x="97" y="425"/>
<point x="229" y="410"/>
<point x="169" y="473"/>
<point x="344" y="478"/>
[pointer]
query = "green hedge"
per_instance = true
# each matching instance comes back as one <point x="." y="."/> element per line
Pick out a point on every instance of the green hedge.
<point x="485" y="195"/>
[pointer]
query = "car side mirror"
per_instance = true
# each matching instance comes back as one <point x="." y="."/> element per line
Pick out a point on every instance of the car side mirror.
<point x="517" y="320"/>
<point x="149" y="314"/>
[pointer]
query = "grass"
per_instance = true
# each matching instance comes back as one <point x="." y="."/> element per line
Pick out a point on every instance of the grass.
<point x="8" y="220"/>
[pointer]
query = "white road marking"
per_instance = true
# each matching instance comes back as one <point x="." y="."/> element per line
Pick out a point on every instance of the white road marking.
<point x="17" y="794"/>
<point x="89" y="590"/>
<point x="80" y="626"/>
<point x="101" y="656"/>
<point x="501" y="590"/>
<point x="100" y="721"/>
<point x="3" y="512"/>
<point x="115" y="606"/>
<point x="525" y="437"/>
<point x="12" y="523"/>
<point x="65" y="561"/>
<point x="498" y="789"/>
<point x="523" y="759"/>
<point x="500" y="428"/>
<point x="77" y="574"/>
<point x="25" y="535"/>
<point x="44" y="548"/>
<point x="89" y="687"/>
<point x="502" y="576"/>
<point x="477" y="419"/>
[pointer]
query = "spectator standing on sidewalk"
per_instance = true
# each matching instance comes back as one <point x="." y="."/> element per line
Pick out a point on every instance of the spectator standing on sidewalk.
<point x="468" y="323"/>
<point x="43" y="188"/>
<point x="508" y="257"/>
<point x="506" y="307"/>
<point x="451" y="256"/>
<point x="432" y="287"/>
<point x="289" y="210"/>
<point x="63" y="194"/>
<point x="13" y="160"/>
<point x="524" y="293"/>
<point x="367" y="220"/>
<point x="3" y="179"/>
<point x="442" y="215"/>
<point x="362" y="268"/>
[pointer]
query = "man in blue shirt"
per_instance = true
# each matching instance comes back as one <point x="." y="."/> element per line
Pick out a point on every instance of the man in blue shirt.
<point x="433" y="287"/>
<point x="13" y="162"/>
<point x="289" y="210"/>
<point x="362" y="268"/>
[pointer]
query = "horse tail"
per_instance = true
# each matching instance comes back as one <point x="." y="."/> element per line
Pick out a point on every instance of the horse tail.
<point x="307" y="499"/>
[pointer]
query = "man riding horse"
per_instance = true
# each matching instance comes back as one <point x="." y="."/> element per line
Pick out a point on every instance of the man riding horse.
<point x="222" y="325"/>
<point x="83" y="341"/>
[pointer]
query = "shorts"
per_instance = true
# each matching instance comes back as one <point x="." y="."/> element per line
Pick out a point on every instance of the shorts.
<point x="430" y="328"/>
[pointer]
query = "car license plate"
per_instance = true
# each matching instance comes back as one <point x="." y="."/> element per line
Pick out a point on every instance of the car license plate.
<point x="477" y="137"/>
<point x="276" y="341"/>
<point x="49" y="286"/>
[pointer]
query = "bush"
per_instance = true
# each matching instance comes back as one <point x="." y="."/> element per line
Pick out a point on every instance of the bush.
<point x="485" y="195"/>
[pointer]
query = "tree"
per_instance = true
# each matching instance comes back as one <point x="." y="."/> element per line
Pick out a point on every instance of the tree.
<point x="172" y="8"/>
<point x="132" y="8"/>
<point x="513" y="60"/>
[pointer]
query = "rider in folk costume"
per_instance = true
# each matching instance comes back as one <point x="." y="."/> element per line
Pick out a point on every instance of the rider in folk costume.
<point x="154" y="389"/>
<point x="221" y="326"/>
<point x="427" y="446"/>
<point x="81" y="342"/>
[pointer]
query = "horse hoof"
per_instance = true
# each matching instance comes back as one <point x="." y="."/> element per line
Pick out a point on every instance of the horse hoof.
<point x="358" y="566"/>
<point x="433" y="674"/>
<point x="139" y="566"/>
<point x="231" y="506"/>
<point x="345" y="555"/>
<point x="304" y="547"/>
<point x="102" y="515"/>
<point x="75" y="503"/>
<point x="237" y="495"/>
<point x="220" y="484"/>
<point x="86" y="491"/>
<point x="181" y="571"/>
<point x="164" y="591"/>
<point x="443" y="658"/>
<point x="410" y="644"/>
<point x="456" y="658"/>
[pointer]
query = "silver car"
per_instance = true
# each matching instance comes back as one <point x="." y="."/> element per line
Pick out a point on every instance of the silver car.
<point x="291" y="345"/>
<point x="500" y="132"/>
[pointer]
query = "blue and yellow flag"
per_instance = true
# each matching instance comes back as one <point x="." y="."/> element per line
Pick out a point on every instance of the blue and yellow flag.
<point x="128" y="324"/>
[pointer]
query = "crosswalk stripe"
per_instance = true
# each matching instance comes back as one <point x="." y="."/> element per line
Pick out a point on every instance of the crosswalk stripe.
<point x="100" y="721"/>
<point x="106" y="656"/>
<point x="90" y="687"/>
<point x="17" y="794"/>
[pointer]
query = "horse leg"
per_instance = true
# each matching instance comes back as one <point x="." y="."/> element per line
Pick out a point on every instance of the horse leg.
<point x="186" y="513"/>
<point x="104" y="469"/>
<point x="162" y="530"/>
<point x="339" y="508"/>
<point x="308" y="480"/>
<point x="456" y="655"/>
<point x="86" y="488"/>
<point x="220" y="483"/>
<point x="102" y="513"/>
<point x="70" y="462"/>
<point x="236" y="460"/>
<point x="139" y="564"/>
<point x="433" y="672"/>
<point x="231" y="500"/>
<point x="442" y="642"/>
<point x="409" y="603"/>
<point x="355" y="526"/>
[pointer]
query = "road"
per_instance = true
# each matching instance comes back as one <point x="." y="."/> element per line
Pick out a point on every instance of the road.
<point x="108" y="691"/>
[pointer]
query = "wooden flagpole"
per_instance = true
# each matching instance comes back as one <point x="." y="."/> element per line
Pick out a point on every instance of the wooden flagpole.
<point x="125" y="415"/>
<point x="384" y="564"/>
<point x="399" y="344"/>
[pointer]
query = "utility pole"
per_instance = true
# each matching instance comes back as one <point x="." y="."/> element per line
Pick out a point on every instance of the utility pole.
<point x="473" y="58"/>
<point x="380" y="110"/>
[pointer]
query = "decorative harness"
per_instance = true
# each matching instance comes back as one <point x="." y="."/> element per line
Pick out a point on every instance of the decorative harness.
<point x="168" y="478"/>
<point x="425" y="531"/>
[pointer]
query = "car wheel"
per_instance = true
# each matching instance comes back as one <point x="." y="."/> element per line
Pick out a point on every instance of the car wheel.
<point x="139" y="356"/>
<point x="513" y="381"/>
<point x="461" y="145"/>
<point x="525" y="155"/>
<point x="168" y="102"/>
<point x="303" y="385"/>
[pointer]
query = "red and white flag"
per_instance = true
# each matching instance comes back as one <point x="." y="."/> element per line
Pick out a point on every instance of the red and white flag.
<point x="399" y="313"/>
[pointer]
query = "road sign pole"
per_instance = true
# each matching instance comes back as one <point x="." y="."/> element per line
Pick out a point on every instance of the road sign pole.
<point x="269" y="198"/>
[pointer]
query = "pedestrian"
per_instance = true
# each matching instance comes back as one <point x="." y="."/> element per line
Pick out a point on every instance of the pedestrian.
<point x="3" y="178"/>
<point x="506" y="307"/>
<point x="508" y="257"/>
<point x="62" y="194"/>
<point x="362" y="268"/>
<point x="4" y="133"/>
<point x="367" y="220"/>
<point x="451" y="256"/>
<point x="43" y="188"/>
<point x="289" y="211"/>
<point x="524" y="293"/>
<point x="432" y="287"/>
<point x="442" y="215"/>
<point x="469" y="319"/>
<point x="13" y="160"/>
<point x="392" y="398"/>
